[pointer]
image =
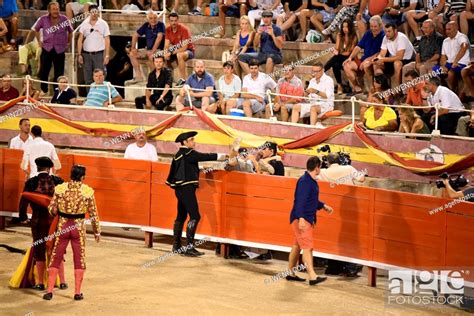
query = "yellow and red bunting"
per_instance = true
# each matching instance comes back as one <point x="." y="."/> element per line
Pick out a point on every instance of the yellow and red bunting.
<point x="413" y="165"/>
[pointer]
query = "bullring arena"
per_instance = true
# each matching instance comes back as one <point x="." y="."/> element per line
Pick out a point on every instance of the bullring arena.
<point x="395" y="169"/>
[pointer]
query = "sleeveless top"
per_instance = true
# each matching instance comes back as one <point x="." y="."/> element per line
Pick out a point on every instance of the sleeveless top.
<point x="243" y="41"/>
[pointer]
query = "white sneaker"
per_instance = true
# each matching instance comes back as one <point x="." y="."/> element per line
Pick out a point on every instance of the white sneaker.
<point x="320" y="125"/>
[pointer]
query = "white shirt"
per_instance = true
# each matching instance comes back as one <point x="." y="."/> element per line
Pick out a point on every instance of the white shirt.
<point x="17" y="143"/>
<point x="400" y="42"/>
<point x="326" y="85"/>
<point x="94" y="41"/>
<point x="228" y="90"/>
<point x="35" y="149"/>
<point x="447" y="99"/>
<point x="260" y="85"/>
<point x="147" y="152"/>
<point x="451" y="48"/>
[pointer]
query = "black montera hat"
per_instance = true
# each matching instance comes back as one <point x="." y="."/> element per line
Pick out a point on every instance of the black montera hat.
<point x="44" y="162"/>
<point x="183" y="136"/>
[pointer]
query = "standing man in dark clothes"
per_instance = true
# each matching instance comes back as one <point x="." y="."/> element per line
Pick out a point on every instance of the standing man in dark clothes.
<point x="184" y="179"/>
<point x="303" y="219"/>
<point x="43" y="183"/>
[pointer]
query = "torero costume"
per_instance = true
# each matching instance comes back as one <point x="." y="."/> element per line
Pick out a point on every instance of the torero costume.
<point x="43" y="183"/>
<point x="184" y="179"/>
<point x="71" y="201"/>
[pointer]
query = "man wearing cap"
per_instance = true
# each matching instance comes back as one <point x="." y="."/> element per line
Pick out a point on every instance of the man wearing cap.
<point x="270" y="162"/>
<point x="184" y="179"/>
<point x="42" y="183"/>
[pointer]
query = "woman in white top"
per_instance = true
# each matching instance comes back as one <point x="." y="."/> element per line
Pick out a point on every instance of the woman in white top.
<point x="229" y="86"/>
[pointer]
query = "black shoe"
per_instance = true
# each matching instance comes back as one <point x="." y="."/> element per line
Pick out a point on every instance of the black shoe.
<point x="295" y="278"/>
<point x="239" y="256"/>
<point x="63" y="286"/>
<point x="48" y="296"/>
<point x="78" y="297"/>
<point x="318" y="280"/>
<point x="39" y="287"/>
<point x="192" y="252"/>
<point x="265" y="257"/>
<point x="177" y="232"/>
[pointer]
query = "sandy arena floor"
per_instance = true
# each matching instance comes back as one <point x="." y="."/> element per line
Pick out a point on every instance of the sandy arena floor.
<point x="116" y="284"/>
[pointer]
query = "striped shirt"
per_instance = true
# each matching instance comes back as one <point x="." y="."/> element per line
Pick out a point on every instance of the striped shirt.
<point x="456" y="6"/>
<point x="98" y="94"/>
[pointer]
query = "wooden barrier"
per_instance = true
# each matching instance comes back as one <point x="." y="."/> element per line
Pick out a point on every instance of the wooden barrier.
<point x="376" y="227"/>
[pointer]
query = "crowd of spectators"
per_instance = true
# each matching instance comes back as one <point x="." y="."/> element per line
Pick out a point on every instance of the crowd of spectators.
<point x="375" y="55"/>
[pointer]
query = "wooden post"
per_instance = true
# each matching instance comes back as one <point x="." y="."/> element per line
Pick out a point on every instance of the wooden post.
<point x="372" y="276"/>
<point x="148" y="239"/>
<point x="224" y="250"/>
<point x="2" y="222"/>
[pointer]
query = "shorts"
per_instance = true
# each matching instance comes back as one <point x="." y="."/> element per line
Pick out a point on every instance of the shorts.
<point x="394" y="19"/>
<point x="77" y="8"/>
<point x="261" y="57"/>
<point x="388" y="67"/>
<point x="174" y="57"/>
<point x="306" y="108"/>
<point x="232" y="11"/>
<point x="423" y="18"/>
<point x="197" y="102"/>
<point x="456" y="70"/>
<point x="327" y="16"/>
<point x="254" y="104"/>
<point x="303" y="238"/>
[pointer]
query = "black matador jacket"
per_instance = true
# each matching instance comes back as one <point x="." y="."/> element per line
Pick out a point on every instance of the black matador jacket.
<point x="184" y="168"/>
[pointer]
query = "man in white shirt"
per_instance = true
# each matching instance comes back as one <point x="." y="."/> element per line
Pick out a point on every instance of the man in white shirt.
<point x="140" y="149"/>
<point x="451" y="107"/>
<point x="454" y="54"/>
<point x="38" y="148"/>
<point x="400" y="50"/>
<point x="256" y="83"/>
<point x="93" y="44"/>
<point x="321" y="94"/>
<point x="24" y="138"/>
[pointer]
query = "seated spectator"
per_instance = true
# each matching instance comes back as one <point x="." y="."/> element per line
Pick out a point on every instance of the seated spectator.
<point x="9" y="15"/>
<point x="428" y="51"/>
<point x="24" y="138"/>
<point x="77" y="7"/>
<point x="256" y="84"/>
<point x="452" y="11"/>
<point x="201" y="85"/>
<point x="378" y="117"/>
<point x="291" y="85"/>
<point x="8" y="92"/>
<point x="101" y="92"/>
<point x="410" y="122"/>
<point x="197" y="10"/>
<point x="161" y="78"/>
<point x="273" y="8"/>
<point x="467" y="75"/>
<point x="270" y="40"/>
<point x="29" y="55"/>
<point x="230" y="8"/>
<point x="320" y="13"/>
<point x="346" y="41"/>
<point x="348" y="11"/>
<point x="64" y="94"/>
<point x="381" y="85"/>
<point x="32" y="92"/>
<point x="154" y="31"/>
<point x="175" y="35"/>
<point x="465" y="125"/>
<point x="396" y="12"/>
<point x="293" y="10"/>
<point x="141" y="149"/>
<point x="395" y="52"/>
<point x="451" y="107"/>
<point x="466" y="16"/>
<point x="370" y="43"/>
<point x="229" y="86"/>
<point x="93" y="44"/>
<point x="120" y="69"/>
<point x="269" y="161"/>
<point x="321" y="94"/>
<point x="243" y="42"/>
<point x="431" y="11"/>
<point x="454" y="54"/>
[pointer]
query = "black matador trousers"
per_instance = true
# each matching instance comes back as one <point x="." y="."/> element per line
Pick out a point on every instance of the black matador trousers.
<point x="187" y="203"/>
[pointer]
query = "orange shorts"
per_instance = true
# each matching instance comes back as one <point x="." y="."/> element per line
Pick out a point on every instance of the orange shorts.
<point x="303" y="238"/>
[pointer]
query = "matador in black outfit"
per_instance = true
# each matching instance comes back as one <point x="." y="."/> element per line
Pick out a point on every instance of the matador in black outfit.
<point x="184" y="179"/>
